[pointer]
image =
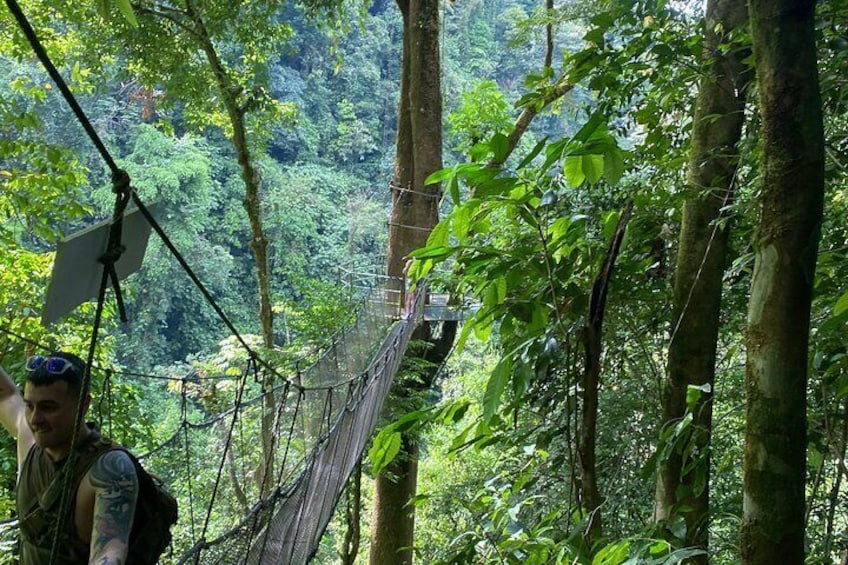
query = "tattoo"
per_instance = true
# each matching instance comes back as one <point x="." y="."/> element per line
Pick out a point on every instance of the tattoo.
<point x="116" y="491"/>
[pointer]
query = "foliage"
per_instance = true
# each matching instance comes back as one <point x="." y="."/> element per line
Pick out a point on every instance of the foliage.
<point x="525" y="241"/>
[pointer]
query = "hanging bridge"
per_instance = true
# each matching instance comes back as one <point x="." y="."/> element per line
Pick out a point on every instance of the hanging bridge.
<point x="323" y="419"/>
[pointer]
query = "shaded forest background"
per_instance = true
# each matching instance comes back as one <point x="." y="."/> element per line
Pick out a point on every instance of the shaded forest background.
<point x="499" y="470"/>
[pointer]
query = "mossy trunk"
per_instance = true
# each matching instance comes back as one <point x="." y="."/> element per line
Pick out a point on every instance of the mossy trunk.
<point x="779" y="310"/>
<point x="701" y="260"/>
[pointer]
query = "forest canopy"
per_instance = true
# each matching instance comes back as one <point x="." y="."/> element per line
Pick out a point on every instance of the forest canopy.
<point x="637" y="209"/>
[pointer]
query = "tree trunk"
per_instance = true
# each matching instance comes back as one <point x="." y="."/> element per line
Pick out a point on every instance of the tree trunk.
<point x="779" y="308"/>
<point x="393" y="529"/>
<point x="414" y="213"/>
<point x="590" y="495"/>
<point x="258" y="242"/>
<point x="350" y="544"/>
<point x="719" y="116"/>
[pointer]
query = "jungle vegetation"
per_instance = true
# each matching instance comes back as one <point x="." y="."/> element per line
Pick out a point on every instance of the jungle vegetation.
<point x="643" y="203"/>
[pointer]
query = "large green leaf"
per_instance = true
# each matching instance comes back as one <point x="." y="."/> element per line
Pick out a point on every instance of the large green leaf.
<point x="495" y="388"/>
<point x="385" y="448"/>
<point x="593" y="167"/>
<point x="572" y="170"/>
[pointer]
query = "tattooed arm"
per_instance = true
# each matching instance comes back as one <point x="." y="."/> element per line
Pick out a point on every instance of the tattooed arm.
<point x="115" y="485"/>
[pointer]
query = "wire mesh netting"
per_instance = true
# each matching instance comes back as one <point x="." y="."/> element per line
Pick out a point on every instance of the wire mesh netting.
<point x="322" y="429"/>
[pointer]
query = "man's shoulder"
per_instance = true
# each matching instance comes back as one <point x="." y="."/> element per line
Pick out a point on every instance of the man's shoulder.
<point x="113" y="466"/>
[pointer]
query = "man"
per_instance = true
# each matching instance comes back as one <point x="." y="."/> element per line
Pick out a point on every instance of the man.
<point x="97" y="528"/>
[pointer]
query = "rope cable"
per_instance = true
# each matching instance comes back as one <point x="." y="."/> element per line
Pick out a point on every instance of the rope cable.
<point x="65" y="499"/>
<point x="113" y="253"/>
<point x="187" y="450"/>
<point x="227" y="443"/>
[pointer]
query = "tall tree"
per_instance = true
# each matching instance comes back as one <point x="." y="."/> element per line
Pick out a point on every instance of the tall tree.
<point x="414" y="213"/>
<point x="192" y="49"/>
<point x="779" y="309"/>
<point x="701" y="260"/>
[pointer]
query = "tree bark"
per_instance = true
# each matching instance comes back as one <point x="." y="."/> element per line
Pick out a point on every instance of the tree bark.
<point x="350" y="544"/>
<point x="393" y="529"/>
<point x="414" y="214"/>
<point x="779" y="309"/>
<point x="590" y="495"/>
<point x="701" y="260"/>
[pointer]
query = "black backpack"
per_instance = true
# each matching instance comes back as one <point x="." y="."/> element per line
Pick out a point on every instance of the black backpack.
<point x="155" y="510"/>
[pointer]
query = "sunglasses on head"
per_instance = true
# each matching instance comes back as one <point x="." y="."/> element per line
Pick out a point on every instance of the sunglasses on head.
<point x="53" y="365"/>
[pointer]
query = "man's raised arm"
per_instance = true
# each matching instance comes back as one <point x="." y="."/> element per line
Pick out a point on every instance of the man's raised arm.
<point x="11" y="404"/>
<point x="12" y="416"/>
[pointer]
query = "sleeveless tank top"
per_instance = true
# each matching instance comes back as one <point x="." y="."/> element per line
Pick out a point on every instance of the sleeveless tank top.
<point x="38" y="500"/>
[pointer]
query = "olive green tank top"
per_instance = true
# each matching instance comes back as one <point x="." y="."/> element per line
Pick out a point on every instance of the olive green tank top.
<point x="38" y="500"/>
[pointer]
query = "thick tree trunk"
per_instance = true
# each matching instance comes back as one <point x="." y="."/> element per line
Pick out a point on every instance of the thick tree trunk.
<point x="719" y="116"/>
<point x="781" y="289"/>
<point x="414" y="213"/>
<point x="393" y="529"/>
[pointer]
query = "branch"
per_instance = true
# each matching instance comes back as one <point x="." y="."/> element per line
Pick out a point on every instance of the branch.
<point x="161" y="13"/>
<point x="562" y="87"/>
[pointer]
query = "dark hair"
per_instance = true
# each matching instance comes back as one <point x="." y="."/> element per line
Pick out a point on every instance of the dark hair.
<point x="74" y="376"/>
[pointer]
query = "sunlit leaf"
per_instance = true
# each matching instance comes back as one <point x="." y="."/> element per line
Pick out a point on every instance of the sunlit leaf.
<point x="572" y="170"/>
<point x="385" y="448"/>
<point x="593" y="167"/>
<point x="495" y="388"/>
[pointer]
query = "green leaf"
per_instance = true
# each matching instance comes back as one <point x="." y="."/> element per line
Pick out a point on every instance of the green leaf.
<point x="441" y="175"/>
<point x="453" y="188"/>
<point x="385" y="448"/>
<point x="533" y="153"/>
<point x="495" y="388"/>
<point x="479" y="152"/>
<point x="694" y="393"/>
<point x="572" y="170"/>
<point x="467" y="328"/>
<point x="461" y="222"/>
<point x="610" y="223"/>
<point x="613" y="166"/>
<point x="499" y="147"/>
<point x="593" y="167"/>
<point x="126" y="10"/>
<point x="500" y="290"/>
<point x="613" y="554"/>
<point x="440" y="235"/>
<point x="454" y="411"/>
<point x="439" y="252"/>
<point x="495" y="187"/>
<point x="841" y="305"/>
<point x="681" y="555"/>
<point x="590" y="127"/>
